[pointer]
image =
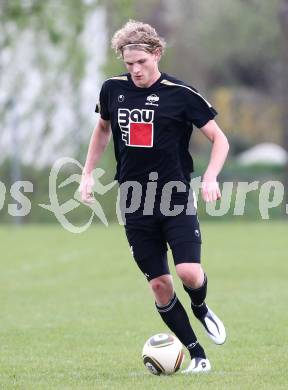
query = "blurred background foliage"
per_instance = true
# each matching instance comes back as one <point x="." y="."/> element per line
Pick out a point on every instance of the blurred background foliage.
<point x="230" y="50"/>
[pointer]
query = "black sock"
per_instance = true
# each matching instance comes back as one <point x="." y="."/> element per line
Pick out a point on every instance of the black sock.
<point x="197" y="296"/>
<point x="196" y="350"/>
<point x="175" y="317"/>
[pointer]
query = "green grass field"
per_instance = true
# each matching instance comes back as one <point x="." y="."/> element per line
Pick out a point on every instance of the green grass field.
<point x="75" y="310"/>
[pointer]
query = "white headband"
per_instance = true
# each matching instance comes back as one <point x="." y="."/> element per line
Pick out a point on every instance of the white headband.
<point x="136" y="44"/>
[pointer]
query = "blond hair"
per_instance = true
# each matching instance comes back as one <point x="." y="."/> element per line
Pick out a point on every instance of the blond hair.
<point x="137" y="35"/>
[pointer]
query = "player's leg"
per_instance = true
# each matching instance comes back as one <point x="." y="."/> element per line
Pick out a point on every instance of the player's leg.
<point x="195" y="284"/>
<point x="162" y="289"/>
<point x="150" y="253"/>
<point x="185" y="241"/>
<point x="175" y="316"/>
<point x="156" y="270"/>
<point x="169" y="307"/>
<point x="184" y="237"/>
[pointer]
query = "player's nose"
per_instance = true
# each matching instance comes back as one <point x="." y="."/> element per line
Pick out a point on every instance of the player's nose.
<point x="136" y="69"/>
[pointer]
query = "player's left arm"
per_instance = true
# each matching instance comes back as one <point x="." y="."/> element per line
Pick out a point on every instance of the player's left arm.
<point x="220" y="146"/>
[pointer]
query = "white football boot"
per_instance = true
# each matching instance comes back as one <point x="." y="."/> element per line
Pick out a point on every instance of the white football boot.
<point x="214" y="327"/>
<point x="197" y="365"/>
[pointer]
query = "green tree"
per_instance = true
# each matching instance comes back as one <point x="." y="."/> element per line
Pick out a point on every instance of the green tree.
<point x="53" y="29"/>
<point x="226" y="42"/>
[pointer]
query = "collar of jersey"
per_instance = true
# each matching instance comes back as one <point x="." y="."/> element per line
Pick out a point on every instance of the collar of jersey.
<point x="148" y="88"/>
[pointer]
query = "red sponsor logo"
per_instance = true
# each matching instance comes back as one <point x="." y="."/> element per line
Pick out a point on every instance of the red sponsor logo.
<point x="136" y="127"/>
<point x="141" y="134"/>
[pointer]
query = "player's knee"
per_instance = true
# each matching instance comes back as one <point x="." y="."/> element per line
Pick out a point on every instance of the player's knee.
<point x="191" y="274"/>
<point x="162" y="288"/>
<point x="160" y="284"/>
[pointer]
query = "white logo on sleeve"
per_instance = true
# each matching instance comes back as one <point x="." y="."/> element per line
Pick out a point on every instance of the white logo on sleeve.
<point x="131" y="250"/>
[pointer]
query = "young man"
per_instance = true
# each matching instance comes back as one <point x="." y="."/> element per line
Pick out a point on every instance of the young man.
<point x="151" y="115"/>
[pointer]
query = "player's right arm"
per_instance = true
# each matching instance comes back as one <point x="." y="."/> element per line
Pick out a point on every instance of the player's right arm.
<point x="99" y="140"/>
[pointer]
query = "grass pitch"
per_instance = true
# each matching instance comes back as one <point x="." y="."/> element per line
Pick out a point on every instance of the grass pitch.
<point x="75" y="310"/>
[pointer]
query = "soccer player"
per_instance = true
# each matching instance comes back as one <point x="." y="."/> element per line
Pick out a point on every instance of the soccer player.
<point x="151" y="115"/>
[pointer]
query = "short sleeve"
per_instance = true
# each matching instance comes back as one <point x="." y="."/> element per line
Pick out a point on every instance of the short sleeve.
<point x="102" y="105"/>
<point x="198" y="110"/>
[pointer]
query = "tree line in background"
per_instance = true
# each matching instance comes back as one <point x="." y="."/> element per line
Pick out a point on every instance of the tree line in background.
<point x="229" y="50"/>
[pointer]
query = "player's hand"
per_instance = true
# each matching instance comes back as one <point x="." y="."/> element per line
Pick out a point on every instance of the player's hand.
<point x="210" y="189"/>
<point x="86" y="188"/>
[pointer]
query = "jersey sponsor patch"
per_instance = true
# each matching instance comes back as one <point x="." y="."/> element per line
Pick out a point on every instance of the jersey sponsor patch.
<point x="136" y="127"/>
<point x="152" y="100"/>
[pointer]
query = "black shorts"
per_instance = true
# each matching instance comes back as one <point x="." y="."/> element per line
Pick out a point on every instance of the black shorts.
<point x="148" y="236"/>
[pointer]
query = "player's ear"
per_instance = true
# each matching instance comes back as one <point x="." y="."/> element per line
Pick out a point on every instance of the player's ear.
<point x="157" y="55"/>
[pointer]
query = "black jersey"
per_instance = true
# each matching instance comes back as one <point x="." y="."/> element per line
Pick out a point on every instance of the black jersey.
<point x="152" y="126"/>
